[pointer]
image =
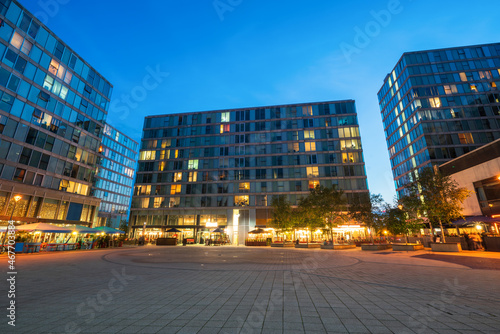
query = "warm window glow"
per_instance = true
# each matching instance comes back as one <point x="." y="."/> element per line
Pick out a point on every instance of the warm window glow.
<point x="435" y="102"/>
<point x="463" y="76"/>
<point x="310" y="146"/>
<point x="175" y="189"/>
<point x="473" y="88"/>
<point x="312" y="172"/>
<point x="17" y="41"/>
<point x="244" y="187"/>
<point x="494" y="85"/>
<point x="177" y="177"/>
<point x="241" y="200"/>
<point x="307" y="110"/>
<point x="348" y="132"/>
<point x="193" y="176"/>
<point x="166" y="143"/>
<point x="148" y="155"/>
<point x="450" y="89"/>
<point x="466" y="138"/>
<point x="313" y="184"/>
<point x="309" y="134"/>
<point x="161" y="166"/>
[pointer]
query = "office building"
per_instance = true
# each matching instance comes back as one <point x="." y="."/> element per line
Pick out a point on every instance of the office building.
<point x="202" y="170"/>
<point x="438" y="105"/>
<point x="53" y="106"/>
<point x="115" y="178"/>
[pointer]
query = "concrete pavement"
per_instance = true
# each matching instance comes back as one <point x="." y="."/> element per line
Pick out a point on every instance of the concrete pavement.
<point x="250" y="290"/>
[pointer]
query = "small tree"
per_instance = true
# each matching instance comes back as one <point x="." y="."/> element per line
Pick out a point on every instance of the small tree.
<point x="367" y="209"/>
<point x="282" y="214"/>
<point x="440" y="197"/>
<point x="324" y="208"/>
<point x="399" y="221"/>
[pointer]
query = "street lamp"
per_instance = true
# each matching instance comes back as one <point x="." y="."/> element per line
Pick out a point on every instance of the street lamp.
<point x="17" y="198"/>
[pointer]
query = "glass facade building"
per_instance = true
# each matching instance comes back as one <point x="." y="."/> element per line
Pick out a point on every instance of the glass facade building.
<point x="222" y="168"/>
<point x="115" y="177"/>
<point x="438" y="105"/>
<point x="53" y="106"/>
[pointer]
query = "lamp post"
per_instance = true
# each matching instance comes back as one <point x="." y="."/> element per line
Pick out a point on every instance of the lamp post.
<point x="17" y="198"/>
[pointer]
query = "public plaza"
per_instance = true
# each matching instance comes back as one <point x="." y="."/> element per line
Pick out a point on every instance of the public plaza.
<point x="199" y="289"/>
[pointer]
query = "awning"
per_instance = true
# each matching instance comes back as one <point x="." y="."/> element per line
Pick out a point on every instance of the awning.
<point x="475" y="219"/>
<point x="84" y="229"/>
<point x="218" y="230"/>
<point x="174" y="230"/>
<point x="108" y="230"/>
<point x="43" y="227"/>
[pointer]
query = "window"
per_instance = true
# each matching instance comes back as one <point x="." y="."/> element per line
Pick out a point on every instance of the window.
<point x="21" y="44"/>
<point x="175" y="189"/>
<point x="225" y="117"/>
<point x="241" y="200"/>
<point x="177" y="177"/>
<point x="192" y="176"/>
<point x="307" y="110"/>
<point x="312" y="172"/>
<point x="244" y="187"/>
<point x="450" y="89"/>
<point x="193" y="164"/>
<point x="310" y="146"/>
<point x="309" y="134"/>
<point x="463" y="76"/>
<point x="313" y="184"/>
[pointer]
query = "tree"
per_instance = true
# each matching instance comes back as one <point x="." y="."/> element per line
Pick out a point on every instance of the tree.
<point x="400" y="221"/>
<point x="282" y="213"/>
<point x="367" y="210"/>
<point x="324" y="208"/>
<point x="440" y="197"/>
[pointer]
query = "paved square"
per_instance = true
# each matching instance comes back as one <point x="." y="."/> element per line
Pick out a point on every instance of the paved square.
<point x="198" y="289"/>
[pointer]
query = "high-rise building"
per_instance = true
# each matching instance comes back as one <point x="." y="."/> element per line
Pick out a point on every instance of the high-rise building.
<point x="437" y="105"/>
<point x="115" y="179"/>
<point x="222" y="168"/>
<point x="53" y="106"/>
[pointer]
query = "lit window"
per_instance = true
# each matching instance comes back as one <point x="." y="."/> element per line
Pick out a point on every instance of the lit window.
<point x="435" y="102"/>
<point x="177" y="177"/>
<point x="17" y="41"/>
<point x="157" y="202"/>
<point x="450" y="89"/>
<point x="493" y="85"/>
<point x="313" y="184"/>
<point x="244" y="187"/>
<point x="225" y="117"/>
<point x="312" y="172"/>
<point x="48" y="82"/>
<point x="148" y="155"/>
<point x="193" y="164"/>
<point x="175" y="189"/>
<point x="310" y="146"/>
<point x="309" y="134"/>
<point x="193" y="176"/>
<point x="307" y="110"/>
<point x="241" y="200"/>
<point x="473" y="88"/>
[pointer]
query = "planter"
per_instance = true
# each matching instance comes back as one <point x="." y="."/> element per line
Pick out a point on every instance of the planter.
<point x="308" y="245"/>
<point x="375" y="247"/>
<point x="492" y="243"/>
<point x="407" y="247"/>
<point x="338" y="247"/>
<point x="288" y="244"/>
<point x="446" y="247"/>
<point x="166" y="242"/>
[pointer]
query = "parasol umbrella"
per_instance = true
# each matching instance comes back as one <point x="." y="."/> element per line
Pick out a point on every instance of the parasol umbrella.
<point x="174" y="230"/>
<point x="107" y="230"/>
<point x="218" y="230"/>
<point x="257" y="231"/>
<point x="43" y="227"/>
<point x="84" y="229"/>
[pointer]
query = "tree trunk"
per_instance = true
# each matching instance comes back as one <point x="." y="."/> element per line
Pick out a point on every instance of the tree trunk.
<point x="442" y="230"/>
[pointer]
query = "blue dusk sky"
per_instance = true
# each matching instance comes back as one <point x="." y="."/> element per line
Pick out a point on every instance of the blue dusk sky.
<point x="209" y="55"/>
